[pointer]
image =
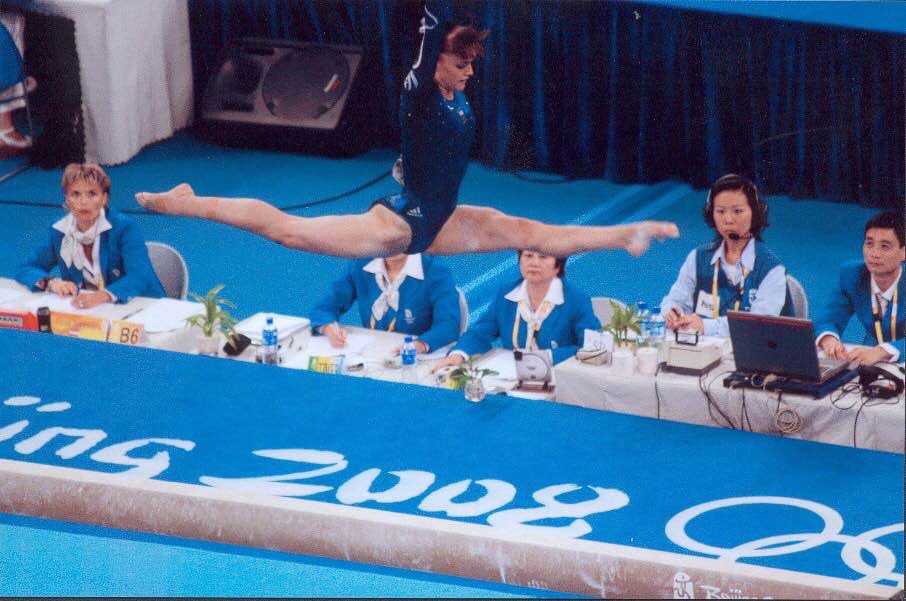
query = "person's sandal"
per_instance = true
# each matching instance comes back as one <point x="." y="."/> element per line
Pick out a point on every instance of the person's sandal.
<point x="9" y="141"/>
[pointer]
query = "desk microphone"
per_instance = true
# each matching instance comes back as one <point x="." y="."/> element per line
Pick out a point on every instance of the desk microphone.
<point x="734" y="236"/>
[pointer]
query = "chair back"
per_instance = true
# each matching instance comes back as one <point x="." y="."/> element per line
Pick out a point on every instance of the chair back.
<point x="170" y="268"/>
<point x="602" y="309"/>
<point x="11" y="67"/>
<point x="800" y="300"/>
<point x="463" y="311"/>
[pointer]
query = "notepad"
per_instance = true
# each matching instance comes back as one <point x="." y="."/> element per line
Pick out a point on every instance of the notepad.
<point x="287" y="325"/>
<point x="55" y="302"/>
<point x="166" y="314"/>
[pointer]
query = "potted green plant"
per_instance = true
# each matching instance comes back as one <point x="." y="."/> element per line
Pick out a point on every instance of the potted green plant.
<point x="214" y="322"/>
<point x="623" y="320"/>
<point x="468" y="376"/>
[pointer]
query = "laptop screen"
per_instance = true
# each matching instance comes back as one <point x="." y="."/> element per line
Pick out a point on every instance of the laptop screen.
<point x="765" y="344"/>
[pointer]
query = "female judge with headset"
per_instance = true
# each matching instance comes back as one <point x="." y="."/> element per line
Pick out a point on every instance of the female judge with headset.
<point x="734" y="272"/>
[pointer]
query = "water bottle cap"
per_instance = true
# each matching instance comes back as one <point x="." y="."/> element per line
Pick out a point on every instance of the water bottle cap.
<point x="408" y="339"/>
<point x="270" y="320"/>
<point x="655" y="310"/>
<point x="642" y="305"/>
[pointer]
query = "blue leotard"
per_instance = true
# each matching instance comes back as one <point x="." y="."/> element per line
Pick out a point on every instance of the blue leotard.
<point x="436" y="137"/>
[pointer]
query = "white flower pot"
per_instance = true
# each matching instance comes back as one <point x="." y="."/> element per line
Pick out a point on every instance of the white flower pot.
<point x="209" y="345"/>
<point x="623" y="362"/>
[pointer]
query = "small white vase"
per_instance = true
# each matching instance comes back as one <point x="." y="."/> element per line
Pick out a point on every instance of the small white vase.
<point x="647" y="358"/>
<point x="623" y="362"/>
<point x="209" y="345"/>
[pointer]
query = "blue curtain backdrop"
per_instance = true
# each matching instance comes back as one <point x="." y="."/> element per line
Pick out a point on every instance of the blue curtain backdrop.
<point x="631" y="92"/>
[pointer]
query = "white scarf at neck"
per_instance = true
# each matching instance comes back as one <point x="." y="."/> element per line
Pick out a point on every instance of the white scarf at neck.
<point x="72" y="247"/>
<point x="390" y="294"/>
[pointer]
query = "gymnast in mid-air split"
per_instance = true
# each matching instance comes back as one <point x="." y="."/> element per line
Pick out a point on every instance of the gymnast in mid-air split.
<point x="437" y="127"/>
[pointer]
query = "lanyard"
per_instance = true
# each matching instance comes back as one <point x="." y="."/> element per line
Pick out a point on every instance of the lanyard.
<point x="714" y="295"/>
<point x="876" y="313"/>
<point x="390" y="328"/>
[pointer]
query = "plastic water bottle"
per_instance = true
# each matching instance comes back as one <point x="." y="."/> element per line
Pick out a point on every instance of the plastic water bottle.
<point x="409" y="361"/>
<point x="270" y="351"/>
<point x="644" y="322"/>
<point x="657" y="327"/>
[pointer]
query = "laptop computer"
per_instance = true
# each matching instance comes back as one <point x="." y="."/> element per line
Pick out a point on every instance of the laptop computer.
<point x="783" y="346"/>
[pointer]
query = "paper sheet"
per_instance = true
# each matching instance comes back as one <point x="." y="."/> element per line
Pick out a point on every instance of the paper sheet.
<point x="435" y="354"/>
<point x="321" y="347"/>
<point x="9" y="294"/>
<point x="287" y="325"/>
<point x="166" y="314"/>
<point x="54" y="302"/>
<point x="501" y="362"/>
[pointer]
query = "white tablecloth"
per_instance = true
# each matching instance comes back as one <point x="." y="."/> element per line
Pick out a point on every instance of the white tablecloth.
<point x="136" y="71"/>
<point x="680" y="398"/>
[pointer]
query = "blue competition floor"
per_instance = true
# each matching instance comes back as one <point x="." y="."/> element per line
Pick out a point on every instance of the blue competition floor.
<point x="811" y="237"/>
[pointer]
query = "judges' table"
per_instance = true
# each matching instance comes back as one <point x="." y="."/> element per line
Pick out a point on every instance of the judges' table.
<point x="839" y="418"/>
<point x="135" y="71"/>
<point x="528" y="492"/>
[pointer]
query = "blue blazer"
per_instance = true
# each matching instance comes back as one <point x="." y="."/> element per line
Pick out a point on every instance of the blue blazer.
<point x="124" y="262"/>
<point x="428" y="308"/>
<point x="562" y="331"/>
<point x="853" y="297"/>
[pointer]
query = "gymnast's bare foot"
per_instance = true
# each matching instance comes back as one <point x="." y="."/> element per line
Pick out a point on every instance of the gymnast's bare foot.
<point x="180" y="200"/>
<point x="639" y="235"/>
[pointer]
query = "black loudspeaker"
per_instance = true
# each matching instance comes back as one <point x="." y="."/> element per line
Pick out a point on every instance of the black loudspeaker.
<point x="288" y="95"/>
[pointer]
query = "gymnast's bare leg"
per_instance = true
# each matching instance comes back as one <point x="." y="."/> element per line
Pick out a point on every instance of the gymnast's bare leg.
<point x="482" y="229"/>
<point x="376" y="233"/>
<point x="381" y="233"/>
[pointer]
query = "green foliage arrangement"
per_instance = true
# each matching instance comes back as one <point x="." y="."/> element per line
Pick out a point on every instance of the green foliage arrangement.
<point x="468" y="371"/>
<point x="622" y="321"/>
<point x="214" y="318"/>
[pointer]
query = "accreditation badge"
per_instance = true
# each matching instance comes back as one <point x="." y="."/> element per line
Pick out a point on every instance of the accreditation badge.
<point x="705" y="304"/>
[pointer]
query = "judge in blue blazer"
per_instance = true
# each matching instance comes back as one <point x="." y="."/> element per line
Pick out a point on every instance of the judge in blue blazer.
<point x="92" y="255"/>
<point x="873" y="290"/>
<point x="735" y="272"/>
<point x="538" y="311"/>
<point x="411" y="294"/>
